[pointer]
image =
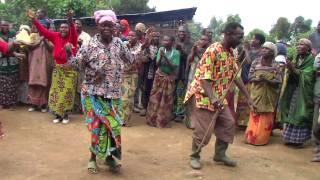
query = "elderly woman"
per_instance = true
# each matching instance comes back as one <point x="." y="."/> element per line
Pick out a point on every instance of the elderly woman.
<point x="103" y="62"/>
<point x="264" y="79"/>
<point x="297" y="101"/>
<point x="64" y="78"/>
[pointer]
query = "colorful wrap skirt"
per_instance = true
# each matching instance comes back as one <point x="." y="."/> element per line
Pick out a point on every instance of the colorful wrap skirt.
<point x="62" y="91"/>
<point x="259" y="128"/>
<point x="104" y="120"/>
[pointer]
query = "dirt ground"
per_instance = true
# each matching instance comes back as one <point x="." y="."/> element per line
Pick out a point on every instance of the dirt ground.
<point x="36" y="149"/>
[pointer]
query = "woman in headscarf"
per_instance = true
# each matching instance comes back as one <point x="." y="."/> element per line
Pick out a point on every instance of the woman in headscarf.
<point x="125" y="28"/>
<point x="297" y="101"/>
<point x="159" y="112"/>
<point x="264" y="78"/>
<point x="103" y="62"/>
<point x="64" y="78"/>
<point x="40" y="62"/>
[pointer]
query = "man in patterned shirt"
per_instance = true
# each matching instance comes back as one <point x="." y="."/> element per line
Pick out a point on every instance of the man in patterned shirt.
<point x="213" y="75"/>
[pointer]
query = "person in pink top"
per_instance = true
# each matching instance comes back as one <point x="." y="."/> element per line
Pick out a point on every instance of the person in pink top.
<point x="64" y="78"/>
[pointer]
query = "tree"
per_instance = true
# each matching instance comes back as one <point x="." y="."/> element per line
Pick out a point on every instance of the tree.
<point x="233" y="18"/>
<point x="132" y="6"/>
<point x="195" y="30"/>
<point x="14" y="10"/>
<point x="281" y="29"/>
<point x="300" y="26"/>
<point x="216" y="27"/>
<point x="256" y="31"/>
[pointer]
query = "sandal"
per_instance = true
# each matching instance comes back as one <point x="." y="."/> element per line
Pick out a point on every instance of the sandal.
<point x="114" y="166"/>
<point x="92" y="167"/>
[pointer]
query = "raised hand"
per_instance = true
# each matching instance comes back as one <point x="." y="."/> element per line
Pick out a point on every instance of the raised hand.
<point x="70" y="14"/>
<point x="31" y="14"/>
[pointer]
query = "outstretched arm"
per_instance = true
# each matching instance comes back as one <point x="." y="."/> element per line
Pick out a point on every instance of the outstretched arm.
<point x="73" y="34"/>
<point x="42" y="30"/>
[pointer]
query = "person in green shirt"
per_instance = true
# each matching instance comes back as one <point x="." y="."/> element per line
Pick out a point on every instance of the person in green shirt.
<point x="159" y="112"/>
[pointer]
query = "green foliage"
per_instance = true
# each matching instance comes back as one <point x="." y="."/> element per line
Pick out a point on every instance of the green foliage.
<point x="256" y="31"/>
<point x="195" y="30"/>
<point x="132" y="6"/>
<point x="280" y="29"/>
<point x="292" y="52"/>
<point x="233" y="18"/>
<point x="300" y="26"/>
<point x="217" y="25"/>
<point x="15" y="10"/>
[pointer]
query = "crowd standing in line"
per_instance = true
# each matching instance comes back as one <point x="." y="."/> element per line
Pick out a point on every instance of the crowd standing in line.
<point x="210" y="86"/>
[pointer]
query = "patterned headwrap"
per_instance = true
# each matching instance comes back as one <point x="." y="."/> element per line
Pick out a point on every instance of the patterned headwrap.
<point x="126" y="24"/>
<point x="105" y="15"/>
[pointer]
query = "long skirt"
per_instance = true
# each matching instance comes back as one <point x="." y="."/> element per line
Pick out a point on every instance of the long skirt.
<point x="38" y="95"/>
<point x="8" y="89"/>
<point x="296" y="134"/>
<point x="159" y="112"/>
<point x="242" y="109"/>
<point x="62" y="91"/>
<point x="259" y="128"/>
<point x="104" y="120"/>
<point x="128" y="88"/>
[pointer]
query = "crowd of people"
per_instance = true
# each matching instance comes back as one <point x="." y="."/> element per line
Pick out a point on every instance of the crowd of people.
<point x="212" y="87"/>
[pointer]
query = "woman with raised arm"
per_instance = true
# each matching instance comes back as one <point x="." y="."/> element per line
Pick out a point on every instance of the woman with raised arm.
<point x="64" y="78"/>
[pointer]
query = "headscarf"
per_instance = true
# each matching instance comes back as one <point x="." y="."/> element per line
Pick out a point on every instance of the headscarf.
<point x="306" y="42"/>
<point x="140" y="27"/>
<point x="271" y="46"/>
<point x="126" y="24"/>
<point x="101" y="16"/>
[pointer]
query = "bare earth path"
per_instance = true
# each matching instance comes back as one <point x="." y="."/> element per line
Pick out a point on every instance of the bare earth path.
<point x="36" y="149"/>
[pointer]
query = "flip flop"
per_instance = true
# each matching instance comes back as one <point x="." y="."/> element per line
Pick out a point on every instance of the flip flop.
<point x="92" y="167"/>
